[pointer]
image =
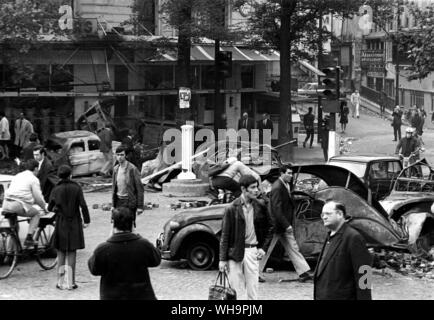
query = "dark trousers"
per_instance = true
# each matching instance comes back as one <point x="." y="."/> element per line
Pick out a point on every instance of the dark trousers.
<point x="124" y="203"/>
<point x="326" y="155"/>
<point x="227" y="183"/>
<point x="309" y="134"/>
<point x="397" y="132"/>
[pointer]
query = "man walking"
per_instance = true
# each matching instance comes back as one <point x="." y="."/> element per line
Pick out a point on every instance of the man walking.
<point x="5" y="136"/>
<point x="355" y="103"/>
<point x="46" y="172"/>
<point x="246" y="235"/>
<point x="23" y="129"/>
<point x="106" y="137"/>
<point x="396" y="123"/>
<point x="127" y="188"/>
<point x="325" y="136"/>
<point x="282" y="209"/>
<point x="308" y="121"/>
<point x="123" y="261"/>
<point x="344" y="269"/>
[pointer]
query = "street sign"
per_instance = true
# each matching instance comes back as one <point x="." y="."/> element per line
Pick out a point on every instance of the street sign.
<point x="184" y="97"/>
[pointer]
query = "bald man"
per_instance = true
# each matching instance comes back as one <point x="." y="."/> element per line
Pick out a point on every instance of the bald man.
<point x="246" y="123"/>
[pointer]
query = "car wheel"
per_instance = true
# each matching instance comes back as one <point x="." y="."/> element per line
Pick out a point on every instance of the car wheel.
<point x="200" y="256"/>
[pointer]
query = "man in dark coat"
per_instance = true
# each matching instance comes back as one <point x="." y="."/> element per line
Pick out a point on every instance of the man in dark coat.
<point x="246" y="123"/>
<point x="47" y="174"/>
<point x="325" y="128"/>
<point x="27" y="152"/>
<point x="106" y="137"/>
<point x="282" y="210"/>
<point x="123" y="261"/>
<point x="265" y="124"/>
<point x="344" y="269"/>
<point x="396" y="123"/>
<point x="66" y="200"/>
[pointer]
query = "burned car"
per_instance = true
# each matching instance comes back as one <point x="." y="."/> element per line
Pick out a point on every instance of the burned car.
<point x="79" y="149"/>
<point x="194" y="234"/>
<point x="377" y="172"/>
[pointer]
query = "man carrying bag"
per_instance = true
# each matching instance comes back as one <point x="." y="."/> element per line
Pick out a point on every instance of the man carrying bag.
<point x="219" y="291"/>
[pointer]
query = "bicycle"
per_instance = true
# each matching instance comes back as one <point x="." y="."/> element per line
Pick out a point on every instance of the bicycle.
<point x="11" y="249"/>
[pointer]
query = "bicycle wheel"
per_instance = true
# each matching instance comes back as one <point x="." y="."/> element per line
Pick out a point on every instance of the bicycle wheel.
<point x="8" y="253"/>
<point x="46" y="255"/>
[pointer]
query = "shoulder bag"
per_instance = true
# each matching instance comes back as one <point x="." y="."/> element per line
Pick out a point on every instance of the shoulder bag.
<point x="219" y="291"/>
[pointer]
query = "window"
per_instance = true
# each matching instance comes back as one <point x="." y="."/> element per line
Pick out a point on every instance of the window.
<point x="159" y="77"/>
<point x="416" y="98"/>
<point x="432" y="102"/>
<point x="93" y="145"/>
<point x="248" y="76"/>
<point x="371" y="83"/>
<point x="77" y="147"/>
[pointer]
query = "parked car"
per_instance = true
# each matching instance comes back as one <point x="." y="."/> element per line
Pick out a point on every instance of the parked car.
<point x="377" y="172"/>
<point x="79" y="149"/>
<point x="194" y="234"/>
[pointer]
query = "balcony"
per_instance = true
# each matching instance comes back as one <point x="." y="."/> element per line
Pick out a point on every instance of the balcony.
<point x="375" y="96"/>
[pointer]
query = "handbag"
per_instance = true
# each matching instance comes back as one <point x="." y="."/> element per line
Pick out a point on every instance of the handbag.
<point x="217" y="168"/>
<point x="220" y="291"/>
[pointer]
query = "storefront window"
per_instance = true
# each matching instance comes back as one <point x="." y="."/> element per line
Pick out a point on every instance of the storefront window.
<point x="159" y="108"/>
<point x="248" y="76"/>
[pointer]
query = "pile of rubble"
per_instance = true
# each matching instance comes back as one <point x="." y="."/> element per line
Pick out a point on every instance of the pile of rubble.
<point x="185" y="204"/>
<point x="421" y="266"/>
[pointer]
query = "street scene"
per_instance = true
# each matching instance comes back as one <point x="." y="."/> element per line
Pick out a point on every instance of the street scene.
<point x="148" y="148"/>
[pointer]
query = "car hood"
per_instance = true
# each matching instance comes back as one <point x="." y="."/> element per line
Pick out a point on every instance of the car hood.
<point x="398" y="199"/>
<point x="194" y="215"/>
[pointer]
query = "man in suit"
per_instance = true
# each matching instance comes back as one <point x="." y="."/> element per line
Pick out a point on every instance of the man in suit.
<point x="46" y="174"/>
<point x="23" y="129"/>
<point x="344" y="269"/>
<point x="282" y="209"/>
<point x="264" y="124"/>
<point x="246" y="123"/>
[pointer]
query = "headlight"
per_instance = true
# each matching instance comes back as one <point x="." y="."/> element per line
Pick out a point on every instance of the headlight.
<point x="173" y="225"/>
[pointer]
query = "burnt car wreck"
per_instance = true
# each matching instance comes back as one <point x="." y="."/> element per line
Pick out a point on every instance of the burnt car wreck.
<point x="406" y="225"/>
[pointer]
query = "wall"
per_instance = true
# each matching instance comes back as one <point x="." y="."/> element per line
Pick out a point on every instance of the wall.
<point x="114" y="12"/>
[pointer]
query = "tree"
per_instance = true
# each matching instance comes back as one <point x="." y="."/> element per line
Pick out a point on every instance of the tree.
<point x="21" y="23"/>
<point x="291" y="27"/>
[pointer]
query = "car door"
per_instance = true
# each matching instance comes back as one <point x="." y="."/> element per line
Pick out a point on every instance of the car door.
<point x="96" y="157"/>
<point x="78" y="157"/>
<point x="381" y="177"/>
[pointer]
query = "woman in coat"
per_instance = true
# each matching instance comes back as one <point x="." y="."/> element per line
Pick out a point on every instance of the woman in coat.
<point x="344" y="116"/>
<point x="66" y="200"/>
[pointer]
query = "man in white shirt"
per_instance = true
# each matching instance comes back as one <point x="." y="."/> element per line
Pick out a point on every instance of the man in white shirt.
<point x="5" y="136"/>
<point x="355" y="103"/>
<point x="25" y="191"/>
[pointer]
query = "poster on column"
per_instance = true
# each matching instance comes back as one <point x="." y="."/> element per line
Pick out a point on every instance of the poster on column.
<point x="184" y="97"/>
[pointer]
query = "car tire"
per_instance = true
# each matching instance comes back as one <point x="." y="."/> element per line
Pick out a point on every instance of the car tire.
<point x="201" y="255"/>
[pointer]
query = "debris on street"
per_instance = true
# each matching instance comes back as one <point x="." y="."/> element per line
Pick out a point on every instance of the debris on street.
<point x="184" y="204"/>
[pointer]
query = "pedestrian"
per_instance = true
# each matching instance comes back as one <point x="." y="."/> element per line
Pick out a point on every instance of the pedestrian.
<point x="23" y="129"/>
<point x="355" y="103"/>
<point x="265" y="124"/>
<point x="123" y="261"/>
<point x="416" y="121"/>
<point x="46" y="174"/>
<point x="343" y="115"/>
<point x="408" y="145"/>
<point x="246" y="123"/>
<point x="396" y="123"/>
<point x="308" y="122"/>
<point x="128" y="142"/>
<point x="21" y="196"/>
<point x="422" y="115"/>
<point x="127" y="188"/>
<point x="245" y="237"/>
<point x="66" y="201"/>
<point x="383" y="103"/>
<point x="27" y="152"/>
<point x="282" y="209"/>
<point x="106" y="137"/>
<point x="5" y="136"/>
<point x="343" y="271"/>
<point x="325" y="136"/>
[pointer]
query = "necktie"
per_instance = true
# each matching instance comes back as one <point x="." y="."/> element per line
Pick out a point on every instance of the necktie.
<point x="245" y="123"/>
<point x="265" y="123"/>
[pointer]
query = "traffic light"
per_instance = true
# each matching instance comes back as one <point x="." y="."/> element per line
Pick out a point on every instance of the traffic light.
<point x="331" y="90"/>
<point x="224" y="64"/>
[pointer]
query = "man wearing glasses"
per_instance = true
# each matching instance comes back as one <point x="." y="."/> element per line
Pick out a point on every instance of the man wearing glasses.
<point x="127" y="187"/>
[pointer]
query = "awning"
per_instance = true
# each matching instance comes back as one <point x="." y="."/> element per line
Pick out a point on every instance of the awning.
<point x="205" y="53"/>
<point x="311" y="68"/>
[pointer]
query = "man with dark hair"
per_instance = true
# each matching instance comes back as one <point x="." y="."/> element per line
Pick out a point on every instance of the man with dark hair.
<point x="308" y="121"/>
<point x="27" y="152"/>
<point x="127" y="187"/>
<point x="5" y="135"/>
<point x="344" y="270"/>
<point x="282" y="210"/>
<point x="123" y="261"/>
<point x="46" y="174"/>
<point x="246" y="235"/>
<point x="23" y="192"/>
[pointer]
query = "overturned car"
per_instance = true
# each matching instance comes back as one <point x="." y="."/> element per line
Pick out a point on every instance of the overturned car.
<point x="194" y="234"/>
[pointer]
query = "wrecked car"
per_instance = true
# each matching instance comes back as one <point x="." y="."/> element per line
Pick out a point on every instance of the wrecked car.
<point x="194" y="234"/>
<point x="377" y="172"/>
<point x="79" y="149"/>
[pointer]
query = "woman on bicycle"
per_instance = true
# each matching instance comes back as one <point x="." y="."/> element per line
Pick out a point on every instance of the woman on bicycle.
<point x="66" y="200"/>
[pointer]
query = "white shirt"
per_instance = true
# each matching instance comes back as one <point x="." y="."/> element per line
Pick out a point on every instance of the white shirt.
<point x="355" y="98"/>
<point x="238" y="167"/>
<point x="4" y="129"/>
<point x="25" y="187"/>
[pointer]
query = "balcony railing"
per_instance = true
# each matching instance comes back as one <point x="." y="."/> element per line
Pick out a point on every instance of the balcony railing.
<point x="375" y="97"/>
